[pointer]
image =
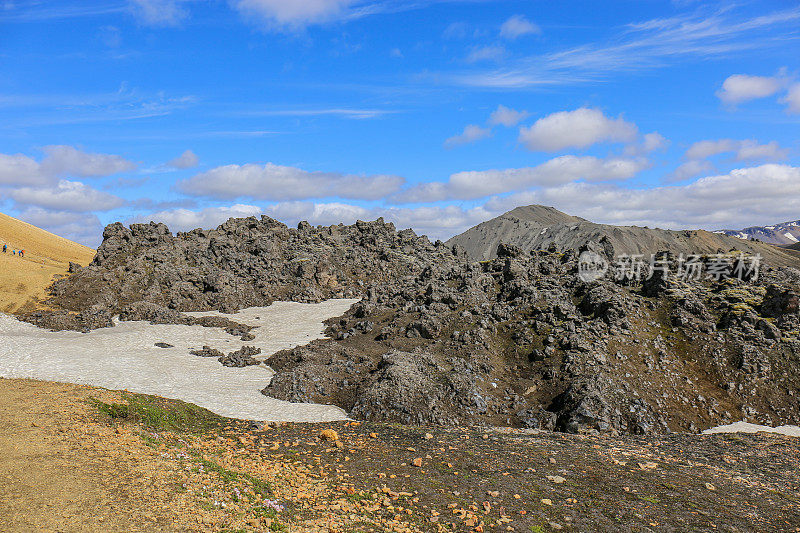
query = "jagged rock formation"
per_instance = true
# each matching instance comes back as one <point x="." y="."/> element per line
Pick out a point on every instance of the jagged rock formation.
<point x="517" y="340"/>
<point x="243" y="263"/>
<point x="520" y="340"/>
<point x="537" y="227"/>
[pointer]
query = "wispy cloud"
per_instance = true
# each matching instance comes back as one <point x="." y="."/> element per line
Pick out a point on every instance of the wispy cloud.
<point x="41" y="11"/>
<point x="336" y="111"/>
<point x="647" y="45"/>
<point x="127" y="103"/>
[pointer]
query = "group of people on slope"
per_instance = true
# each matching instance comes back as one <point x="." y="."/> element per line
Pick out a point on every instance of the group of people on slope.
<point x="20" y="253"/>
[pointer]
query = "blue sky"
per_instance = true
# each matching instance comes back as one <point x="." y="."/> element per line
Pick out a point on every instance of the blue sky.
<point x="435" y="114"/>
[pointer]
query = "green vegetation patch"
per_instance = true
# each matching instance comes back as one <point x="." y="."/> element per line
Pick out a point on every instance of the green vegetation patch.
<point x="161" y="414"/>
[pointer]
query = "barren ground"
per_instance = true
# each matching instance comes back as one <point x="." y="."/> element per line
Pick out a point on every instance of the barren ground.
<point x="135" y="463"/>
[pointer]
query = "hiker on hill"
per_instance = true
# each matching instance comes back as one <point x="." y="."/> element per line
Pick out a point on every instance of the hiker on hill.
<point x="5" y="248"/>
<point x="22" y="253"/>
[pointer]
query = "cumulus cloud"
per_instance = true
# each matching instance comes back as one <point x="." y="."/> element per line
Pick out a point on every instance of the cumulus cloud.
<point x="651" y="142"/>
<point x="507" y="117"/>
<point x="690" y="169"/>
<point x="517" y="26"/>
<point x="792" y="99"/>
<point x="471" y="134"/>
<point x="84" y="228"/>
<point x="159" y="12"/>
<point x="575" y="129"/>
<point x="187" y="159"/>
<point x="705" y="149"/>
<point x="19" y="169"/>
<point x="182" y="219"/>
<point x="745" y="150"/>
<point x="62" y="160"/>
<point x="478" y="184"/>
<point x="743" y="197"/>
<point x="293" y="13"/>
<point x="276" y="182"/>
<point x="486" y="53"/>
<point x="742" y="88"/>
<point x="772" y="194"/>
<point x="751" y="150"/>
<point x="655" y="141"/>
<point x="72" y="196"/>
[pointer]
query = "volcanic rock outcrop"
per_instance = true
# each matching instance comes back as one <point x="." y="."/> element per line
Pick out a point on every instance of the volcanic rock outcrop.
<point x="516" y="340"/>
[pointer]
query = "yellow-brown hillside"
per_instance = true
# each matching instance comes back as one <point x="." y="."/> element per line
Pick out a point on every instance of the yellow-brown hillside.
<point x="24" y="280"/>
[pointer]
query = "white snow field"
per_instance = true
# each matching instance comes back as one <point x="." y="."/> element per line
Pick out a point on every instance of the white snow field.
<point x="745" y="427"/>
<point x="125" y="357"/>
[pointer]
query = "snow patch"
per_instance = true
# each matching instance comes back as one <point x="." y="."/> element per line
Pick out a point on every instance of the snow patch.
<point x="745" y="427"/>
<point x="125" y="357"/>
<point x="790" y="236"/>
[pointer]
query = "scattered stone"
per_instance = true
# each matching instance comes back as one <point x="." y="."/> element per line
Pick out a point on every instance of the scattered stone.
<point x="328" y="435"/>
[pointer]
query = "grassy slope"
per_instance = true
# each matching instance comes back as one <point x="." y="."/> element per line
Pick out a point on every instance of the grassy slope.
<point x="24" y="280"/>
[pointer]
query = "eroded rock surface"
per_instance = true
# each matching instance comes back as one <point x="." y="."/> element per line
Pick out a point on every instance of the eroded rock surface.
<point x="517" y="340"/>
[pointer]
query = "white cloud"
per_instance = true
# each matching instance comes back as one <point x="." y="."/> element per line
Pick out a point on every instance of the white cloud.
<point x="276" y="182"/>
<point x="471" y="134"/>
<point x="507" y="117"/>
<point x="751" y="150"/>
<point x="745" y="150"/>
<point x="159" y="12"/>
<point x="690" y="169"/>
<point x="66" y="196"/>
<point x="478" y="184"/>
<point x="63" y="160"/>
<point x="293" y="13"/>
<point x="654" y="44"/>
<point x="19" y="169"/>
<point x="575" y="129"/>
<point x="748" y="196"/>
<point x="792" y="99"/>
<point x="486" y="53"/>
<point x="705" y="149"/>
<point x="517" y="26"/>
<point x="741" y="88"/>
<point x="187" y="159"/>
<point x="456" y="30"/>
<point x="185" y="219"/>
<point x="655" y="141"/>
<point x="772" y="195"/>
<point x="651" y="142"/>
<point x="84" y="228"/>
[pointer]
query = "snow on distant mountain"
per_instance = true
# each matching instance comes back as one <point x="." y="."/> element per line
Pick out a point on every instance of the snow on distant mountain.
<point x="784" y="234"/>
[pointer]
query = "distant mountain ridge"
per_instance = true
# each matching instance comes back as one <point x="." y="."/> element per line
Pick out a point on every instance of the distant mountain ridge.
<point x="538" y="227"/>
<point x="784" y="234"/>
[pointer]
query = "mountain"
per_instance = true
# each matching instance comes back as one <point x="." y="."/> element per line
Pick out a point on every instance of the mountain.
<point x="787" y="233"/>
<point x="537" y="227"/>
<point x="23" y="280"/>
